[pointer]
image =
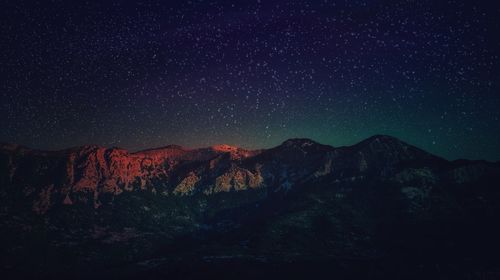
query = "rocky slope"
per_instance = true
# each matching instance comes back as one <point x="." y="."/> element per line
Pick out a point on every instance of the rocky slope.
<point x="92" y="173"/>
<point x="381" y="200"/>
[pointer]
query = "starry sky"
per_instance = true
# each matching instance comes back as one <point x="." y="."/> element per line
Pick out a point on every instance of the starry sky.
<point x="251" y="73"/>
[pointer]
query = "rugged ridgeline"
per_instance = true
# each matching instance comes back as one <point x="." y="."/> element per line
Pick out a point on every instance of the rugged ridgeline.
<point x="95" y="174"/>
<point x="381" y="198"/>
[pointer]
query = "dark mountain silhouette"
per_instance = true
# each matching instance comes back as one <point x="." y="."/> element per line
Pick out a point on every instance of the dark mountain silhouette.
<point x="376" y="209"/>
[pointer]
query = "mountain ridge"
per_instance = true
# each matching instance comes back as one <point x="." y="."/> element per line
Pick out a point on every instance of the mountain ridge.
<point x="380" y="199"/>
<point x="375" y="137"/>
<point x="8" y="145"/>
<point x="93" y="173"/>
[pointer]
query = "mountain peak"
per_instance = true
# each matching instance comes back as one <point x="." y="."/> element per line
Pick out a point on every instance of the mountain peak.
<point x="168" y="147"/>
<point x="382" y="137"/>
<point x="299" y="142"/>
<point x="225" y="148"/>
<point x="85" y="148"/>
<point x="392" y="149"/>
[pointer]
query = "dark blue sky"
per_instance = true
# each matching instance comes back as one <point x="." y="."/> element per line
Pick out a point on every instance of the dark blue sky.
<point x="251" y="73"/>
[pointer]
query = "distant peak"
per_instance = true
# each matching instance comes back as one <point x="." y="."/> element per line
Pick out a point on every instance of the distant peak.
<point x="225" y="148"/>
<point x="89" y="147"/>
<point x="162" y="149"/>
<point x="299" y="142"/>
<point x="170" y="147"/>
<point x="382" y="137"/>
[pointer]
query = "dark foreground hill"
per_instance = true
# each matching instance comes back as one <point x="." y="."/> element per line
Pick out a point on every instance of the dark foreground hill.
<point x="375" y="210"/>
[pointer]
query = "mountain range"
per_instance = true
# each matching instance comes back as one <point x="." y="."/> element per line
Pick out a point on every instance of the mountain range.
<point x="379" y="208"/>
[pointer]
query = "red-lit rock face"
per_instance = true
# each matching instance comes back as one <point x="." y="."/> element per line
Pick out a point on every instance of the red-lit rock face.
<point x="116" y="170"/>
<point x="235" y="152"/>
<point x="91" y="171"/>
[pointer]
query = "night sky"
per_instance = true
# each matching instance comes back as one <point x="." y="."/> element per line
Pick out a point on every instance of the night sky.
<point x="251" y="73"/>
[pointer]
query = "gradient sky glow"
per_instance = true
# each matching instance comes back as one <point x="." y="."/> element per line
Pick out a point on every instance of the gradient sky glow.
<point x="251" y="73"/>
